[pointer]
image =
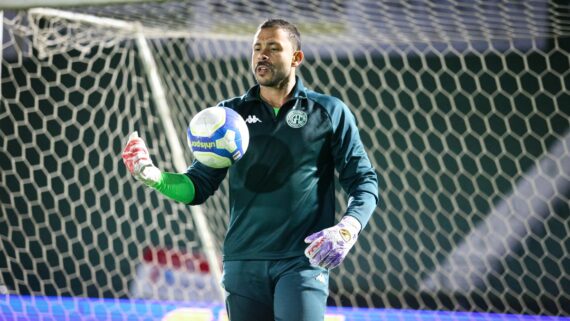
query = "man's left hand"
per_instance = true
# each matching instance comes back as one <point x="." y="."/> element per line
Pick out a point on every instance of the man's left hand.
<point x="329" y="247"/>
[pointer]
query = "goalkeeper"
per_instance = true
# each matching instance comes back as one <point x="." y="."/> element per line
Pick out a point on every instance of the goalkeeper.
<point x="282" y="239"/>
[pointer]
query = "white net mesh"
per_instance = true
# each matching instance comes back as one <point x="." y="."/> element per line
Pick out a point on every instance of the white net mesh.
<point x="462" y="106"/>
<point x="73" y="222"/>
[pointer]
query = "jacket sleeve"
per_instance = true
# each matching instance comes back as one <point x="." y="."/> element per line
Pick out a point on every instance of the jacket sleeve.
<point x="356" y="174"/>
<point x="206" y="180"/>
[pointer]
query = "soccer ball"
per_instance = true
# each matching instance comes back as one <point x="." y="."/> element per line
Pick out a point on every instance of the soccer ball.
<point x="218" y="137"/>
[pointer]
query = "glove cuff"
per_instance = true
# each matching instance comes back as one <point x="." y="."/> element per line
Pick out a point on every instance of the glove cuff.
<point x="150" y="175"/>
<point x="351" y="223"/>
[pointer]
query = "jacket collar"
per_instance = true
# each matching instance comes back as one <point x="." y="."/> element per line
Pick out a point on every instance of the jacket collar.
<point x="299" y="91"/>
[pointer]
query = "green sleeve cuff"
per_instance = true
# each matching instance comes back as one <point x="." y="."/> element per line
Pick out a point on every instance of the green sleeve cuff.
<point x="176" y="186"/>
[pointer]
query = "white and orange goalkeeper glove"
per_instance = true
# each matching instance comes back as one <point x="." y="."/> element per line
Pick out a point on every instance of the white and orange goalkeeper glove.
<point x="329" y="247"/>
<point x="138" y="162"/>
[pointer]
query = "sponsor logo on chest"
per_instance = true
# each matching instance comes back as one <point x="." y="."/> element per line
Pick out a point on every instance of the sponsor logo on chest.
<point x="296" y="118"/>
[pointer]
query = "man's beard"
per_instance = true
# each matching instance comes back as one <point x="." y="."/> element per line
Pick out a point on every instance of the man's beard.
<point x="277" y="79"/>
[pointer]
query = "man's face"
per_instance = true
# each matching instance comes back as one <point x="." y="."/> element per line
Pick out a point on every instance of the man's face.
<point x="272" y="58"/>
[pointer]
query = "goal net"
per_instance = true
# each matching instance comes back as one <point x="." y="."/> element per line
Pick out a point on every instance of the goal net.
<point x="463" y="107"/>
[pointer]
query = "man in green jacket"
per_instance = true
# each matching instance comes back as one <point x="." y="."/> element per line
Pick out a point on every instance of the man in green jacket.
<point x="282" y="238"/>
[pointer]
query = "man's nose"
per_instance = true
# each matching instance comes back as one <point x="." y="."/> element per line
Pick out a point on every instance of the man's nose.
<point x="263" y="54"/>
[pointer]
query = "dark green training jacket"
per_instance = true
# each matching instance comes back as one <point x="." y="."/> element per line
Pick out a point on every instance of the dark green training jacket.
<point x="282" y="190"/>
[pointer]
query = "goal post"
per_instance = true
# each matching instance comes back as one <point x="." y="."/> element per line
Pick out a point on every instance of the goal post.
<point x="461" y="105"/>
<point x="158" y="96"/>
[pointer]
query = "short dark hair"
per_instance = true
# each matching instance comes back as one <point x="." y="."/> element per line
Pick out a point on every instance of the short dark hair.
<point x="294" y="33"/>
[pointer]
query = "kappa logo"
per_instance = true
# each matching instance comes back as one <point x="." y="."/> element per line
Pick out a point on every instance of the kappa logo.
<point x="321" y="278"/>
<point x="252" y="119"/>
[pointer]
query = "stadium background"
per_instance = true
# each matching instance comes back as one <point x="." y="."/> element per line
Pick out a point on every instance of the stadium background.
<point x="452" y="131"/>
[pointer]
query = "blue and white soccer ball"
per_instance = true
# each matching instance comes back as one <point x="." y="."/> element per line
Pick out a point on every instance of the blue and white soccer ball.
<point x="218" y="137"/>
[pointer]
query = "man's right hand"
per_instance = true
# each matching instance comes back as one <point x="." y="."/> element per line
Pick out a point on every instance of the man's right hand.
<point x="138" y="162"/>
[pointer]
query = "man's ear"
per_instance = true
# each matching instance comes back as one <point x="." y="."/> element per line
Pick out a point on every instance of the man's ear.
<point x="297" y="58"/>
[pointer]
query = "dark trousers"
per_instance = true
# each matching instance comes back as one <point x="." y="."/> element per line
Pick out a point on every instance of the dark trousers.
<point x="280" y="290"/>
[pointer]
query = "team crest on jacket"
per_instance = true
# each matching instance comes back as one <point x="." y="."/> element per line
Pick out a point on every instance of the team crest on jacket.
<point x="296" y="118"/>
